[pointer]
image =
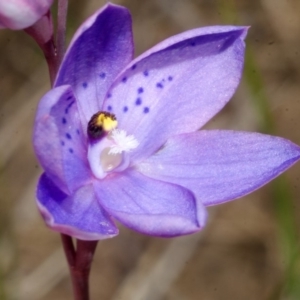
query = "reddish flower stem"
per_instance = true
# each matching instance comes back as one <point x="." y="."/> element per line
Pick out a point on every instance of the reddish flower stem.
<point x="61" y="29"/>
<point x="42" y="33"/>
<point x="49" y="53"/>
<point x="69" y="249"/>
<point x="80" y="262"/>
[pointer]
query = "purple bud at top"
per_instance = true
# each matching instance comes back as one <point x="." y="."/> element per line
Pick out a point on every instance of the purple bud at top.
<point x="19" y="14"/>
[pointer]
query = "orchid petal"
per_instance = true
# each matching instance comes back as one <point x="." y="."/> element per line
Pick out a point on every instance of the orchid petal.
<point x="219" y="166"/>
<point x="177" y="86"/>
<point x="19" y="14"/>
<point x="100" y="49"/>
<point x="150" y="206"/>
<point x="78" y="215"/>
<point x="59" y="141"/>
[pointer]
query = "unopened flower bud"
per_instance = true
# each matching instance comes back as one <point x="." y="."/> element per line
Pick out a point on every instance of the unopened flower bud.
<point x="20" y="14"/>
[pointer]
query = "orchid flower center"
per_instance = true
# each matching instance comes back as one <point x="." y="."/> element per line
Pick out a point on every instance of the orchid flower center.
<point x="107" y="144"/>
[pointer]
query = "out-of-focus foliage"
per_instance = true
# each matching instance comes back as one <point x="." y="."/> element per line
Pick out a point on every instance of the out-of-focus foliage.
<point x="250" y="249"/>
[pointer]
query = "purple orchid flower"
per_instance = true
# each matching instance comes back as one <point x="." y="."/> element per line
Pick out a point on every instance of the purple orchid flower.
<point x="20" y="14"/>
<point x="118" y="139"/>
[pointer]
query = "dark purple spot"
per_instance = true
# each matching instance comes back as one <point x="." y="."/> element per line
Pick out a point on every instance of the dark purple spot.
<point x="68" y="136"/>
<point x="133" y="67"/>
<point x="102" y="75"/>
<point x="138" y="101"/>
<point x="64" y="120"/>
<point x="78" y="132"/>
<point x="124" y="79"/>
<point x="159" y="85"/>
<point x="69" y="106"/>
<point x="146" y="73"/>
<point x="146" y="110"/>
<point x="62" y="143"/>
<point x="125" y="108"/>
<point x="193" y="43"/>
<point x="140" y="90"/>
<point x="109" y="95"/>
<point x="70" y="98"/>
<point x="85" y="85"/>
<point x="109" y="108"/>
<point x="170" y="78"/>
<point x="71" y="150"/>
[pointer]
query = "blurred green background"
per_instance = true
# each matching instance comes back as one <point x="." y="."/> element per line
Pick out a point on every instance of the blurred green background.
<point x="250" y="248"/>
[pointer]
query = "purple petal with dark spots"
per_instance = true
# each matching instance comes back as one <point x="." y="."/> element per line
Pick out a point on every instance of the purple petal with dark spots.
<point x="53" y="138"/>
<point x="102" y="45"/>
<point x="204" y="77"/>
